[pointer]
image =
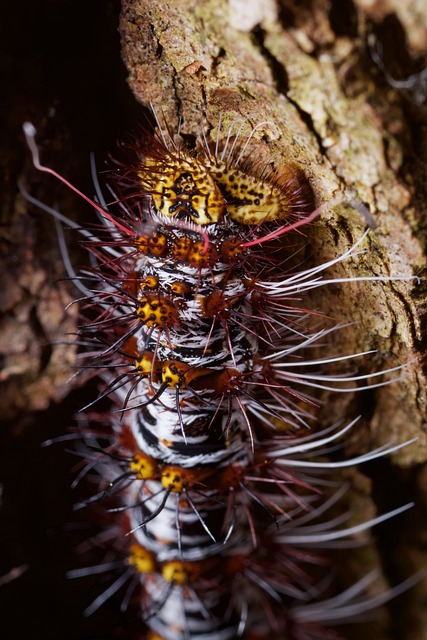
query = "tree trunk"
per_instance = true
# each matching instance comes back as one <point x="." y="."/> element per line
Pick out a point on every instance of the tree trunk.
<point x="351" y="115"/>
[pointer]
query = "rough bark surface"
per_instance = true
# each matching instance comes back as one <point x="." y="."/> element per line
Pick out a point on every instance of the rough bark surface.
<point x="303" y="67"/>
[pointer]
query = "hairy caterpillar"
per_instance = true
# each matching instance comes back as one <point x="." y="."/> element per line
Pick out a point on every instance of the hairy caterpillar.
<point x="202" y="339"/>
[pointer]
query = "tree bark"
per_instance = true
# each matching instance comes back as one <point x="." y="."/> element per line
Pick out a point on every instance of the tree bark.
<point x="304" y="68"/>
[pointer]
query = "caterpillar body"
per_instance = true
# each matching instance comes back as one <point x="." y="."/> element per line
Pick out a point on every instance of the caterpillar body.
<point x="209" y="467"/>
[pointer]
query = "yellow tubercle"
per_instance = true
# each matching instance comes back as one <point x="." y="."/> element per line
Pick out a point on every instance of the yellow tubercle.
<point x="141" y="559"/>
<point x="149" y="282"/>
<point x="144" y="467"/>
<point x="175" y="479"/>
<point x="156" y="311"/>
<point x="181" y="247"/>
<point x="180" y="288"/>
<point x="156" y="245"/>
<point x="144" y="364"/>
<point x="180" y="573"/>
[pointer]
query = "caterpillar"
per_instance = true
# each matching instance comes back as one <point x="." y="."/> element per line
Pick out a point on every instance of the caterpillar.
<point x="210" y="468"/>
